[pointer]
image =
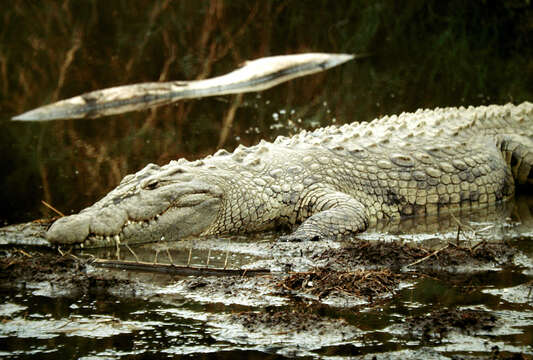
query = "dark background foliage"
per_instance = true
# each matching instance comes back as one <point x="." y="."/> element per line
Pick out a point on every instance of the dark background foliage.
<point x="423" y="54"/>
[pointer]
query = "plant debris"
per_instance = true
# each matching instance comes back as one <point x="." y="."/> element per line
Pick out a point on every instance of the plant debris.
<point x="438" y="323"/>
<point x="395" y="255"/>
<point x="289" y="320"/>
<point x="19" y="266"/>
<point x="360" y="283"/>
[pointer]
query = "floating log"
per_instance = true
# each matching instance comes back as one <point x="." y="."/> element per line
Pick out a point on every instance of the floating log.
<point x="255" y="75"/>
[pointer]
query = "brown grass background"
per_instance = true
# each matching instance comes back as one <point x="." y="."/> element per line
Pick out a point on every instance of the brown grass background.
<point x="424" y="54"/>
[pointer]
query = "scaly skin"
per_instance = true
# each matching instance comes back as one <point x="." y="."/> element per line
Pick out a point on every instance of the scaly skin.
<point x="326" y="184"/>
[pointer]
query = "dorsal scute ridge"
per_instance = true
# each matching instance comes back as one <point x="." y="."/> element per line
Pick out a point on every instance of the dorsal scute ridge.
<point x="407" y="126"/>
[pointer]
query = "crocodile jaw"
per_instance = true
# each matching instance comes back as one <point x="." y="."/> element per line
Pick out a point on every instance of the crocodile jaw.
<point x="173" y="224"/>
<point x="168" y="213"/>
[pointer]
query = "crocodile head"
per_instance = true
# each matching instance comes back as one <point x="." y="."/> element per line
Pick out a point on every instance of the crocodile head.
<point x="169" y="202"/>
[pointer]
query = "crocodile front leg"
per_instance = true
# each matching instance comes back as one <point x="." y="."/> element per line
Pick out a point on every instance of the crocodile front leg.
<point x="517" y="150"/>
<point x="335" y="215"/>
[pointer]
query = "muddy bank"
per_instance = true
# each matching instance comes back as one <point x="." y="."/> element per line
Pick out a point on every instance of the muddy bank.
<point x="437" y="324"/>
<point x="347" y="294"/>
<point x="396" y="255"/>
<point x="361" y="270"/>
<point x="56" y="274"/>
<point x="367" y="284"/>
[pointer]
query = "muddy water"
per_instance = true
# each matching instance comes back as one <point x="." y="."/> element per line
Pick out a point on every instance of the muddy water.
<point x="459" y="309"/>
<point x="40" y="321"/>
<point x="423" y="55"/>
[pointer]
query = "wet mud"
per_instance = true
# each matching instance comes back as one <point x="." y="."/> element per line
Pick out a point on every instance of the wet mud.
<point x="346" y="277"/>
<point x="293" y="320"/>
<point x="437" y="324"/>
<point x="367" y="284"/>
<point x="460" y="298"/>
<point x="397" y="255"/>
<point x="358" y="269"/>
<point x="62" y="274"/>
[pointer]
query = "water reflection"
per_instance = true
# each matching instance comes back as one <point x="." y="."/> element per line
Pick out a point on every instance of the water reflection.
<point x="498" y="222"/>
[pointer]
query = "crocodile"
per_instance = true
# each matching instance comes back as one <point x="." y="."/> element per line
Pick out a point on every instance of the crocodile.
<point x="326" y="184"/>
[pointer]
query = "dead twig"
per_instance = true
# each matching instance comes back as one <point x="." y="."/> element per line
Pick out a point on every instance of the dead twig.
<point x="131" y="251"/>
<point x="208" y="257"/>
<point x="24" y="253"/>
<point x="189" y="257"/>
<point x="227" y="255"/>
<point x="475" y="246"/>
<point x="176" y="269"/>
<point x="52" y="208"/>
<point x="434" y="253"/>
<point x="228" y="120"/>
<point x="169" y="257"/>
<point x="69" y="58"/>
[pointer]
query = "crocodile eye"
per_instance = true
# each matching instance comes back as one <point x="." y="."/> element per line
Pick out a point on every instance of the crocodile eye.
<point x="151" y="184"/>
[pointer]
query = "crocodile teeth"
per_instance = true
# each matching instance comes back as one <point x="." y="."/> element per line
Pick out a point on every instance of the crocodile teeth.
<point x="101" y="240"/>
